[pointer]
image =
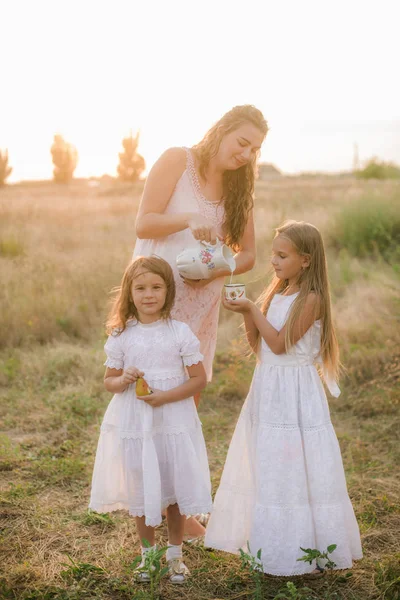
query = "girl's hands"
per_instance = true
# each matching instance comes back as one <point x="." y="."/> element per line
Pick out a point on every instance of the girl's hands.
<point x="157" y="398"/>
<point x="130" y="375"/>
<point x="202" y="229"/>
<point x="238" y="306"/>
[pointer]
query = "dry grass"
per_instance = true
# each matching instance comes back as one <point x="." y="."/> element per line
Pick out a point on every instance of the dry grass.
<point x="61" y="250"/>
<point x="73" y="246"/>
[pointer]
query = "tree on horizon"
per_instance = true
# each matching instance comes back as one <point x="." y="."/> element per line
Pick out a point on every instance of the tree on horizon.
<point x="65" y="159"/>
<point x="131" y="163"/>
<point x="5" y="169"/>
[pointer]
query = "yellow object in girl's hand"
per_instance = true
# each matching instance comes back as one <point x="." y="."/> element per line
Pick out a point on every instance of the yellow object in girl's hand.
<point x="142" y="387"/>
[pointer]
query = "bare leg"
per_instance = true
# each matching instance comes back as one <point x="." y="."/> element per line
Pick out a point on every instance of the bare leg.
<point x="176" y="523"/>
<point x="144" y="531"/>
<point x="193" y="528"/>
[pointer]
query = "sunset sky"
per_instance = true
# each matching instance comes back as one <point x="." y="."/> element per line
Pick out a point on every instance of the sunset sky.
<point x="325" y="74"/>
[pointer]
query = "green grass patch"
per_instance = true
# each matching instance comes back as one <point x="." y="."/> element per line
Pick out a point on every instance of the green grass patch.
<point x="369" y="227"/>
<point x="64" y="472"/>
<point x="387" y="577"/>
<point x="10" y="453"/>
<point x="11" y="247"/>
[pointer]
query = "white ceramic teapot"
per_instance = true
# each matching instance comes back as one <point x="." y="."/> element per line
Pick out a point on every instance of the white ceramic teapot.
<point x="199" y="261"/>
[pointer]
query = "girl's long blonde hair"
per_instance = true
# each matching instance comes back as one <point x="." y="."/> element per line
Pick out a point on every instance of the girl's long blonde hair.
<point x="123" y="308"/>
<point x="238" y="185"/>
<point x="307" y="240"/>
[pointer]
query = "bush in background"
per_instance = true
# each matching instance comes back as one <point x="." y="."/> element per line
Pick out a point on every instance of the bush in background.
<point x="5" y="169"/>
<point x="369" y="227"/>
<point x="376" y="169"/>
<point x="131" y="163"/>
<point x="65" y="159"/>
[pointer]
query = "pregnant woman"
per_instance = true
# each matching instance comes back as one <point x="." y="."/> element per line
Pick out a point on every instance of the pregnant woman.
<point x="204" y="193"/>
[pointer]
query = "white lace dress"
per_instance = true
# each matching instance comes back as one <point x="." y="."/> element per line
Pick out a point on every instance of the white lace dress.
<point x="148" y="458"/>
<point x="283" y="484"/>
<point x="198" y="308"/>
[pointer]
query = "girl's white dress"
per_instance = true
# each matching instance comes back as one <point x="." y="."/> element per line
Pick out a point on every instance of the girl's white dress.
<point x="198" y="307"/>
<point x="283" y="484"/>
<point x="148" y="458"/>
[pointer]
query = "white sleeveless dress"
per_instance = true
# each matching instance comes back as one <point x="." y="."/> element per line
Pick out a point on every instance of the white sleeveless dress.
<point x="199" y="308"/>
<point x="283" y="484"/>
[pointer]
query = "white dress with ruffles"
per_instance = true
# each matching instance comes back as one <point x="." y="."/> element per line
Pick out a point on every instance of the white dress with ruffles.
<point x="283" y="486"/>
<point x="149" y="458"/>
<point x="198" y="307"/>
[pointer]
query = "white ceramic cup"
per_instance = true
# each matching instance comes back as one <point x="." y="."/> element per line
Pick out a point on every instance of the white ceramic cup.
<point x="234" y="291"/>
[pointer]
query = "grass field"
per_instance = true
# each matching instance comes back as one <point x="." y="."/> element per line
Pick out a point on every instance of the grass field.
<point x="61" y="252"/>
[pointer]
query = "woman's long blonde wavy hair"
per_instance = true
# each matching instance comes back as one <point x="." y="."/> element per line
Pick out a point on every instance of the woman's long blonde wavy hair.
<point x="123" y="308"/>
<point x="238" y="185"/>
<point x="307" y="241"/>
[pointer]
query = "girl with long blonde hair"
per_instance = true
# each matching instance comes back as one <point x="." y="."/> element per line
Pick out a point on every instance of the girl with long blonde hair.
<point x="283" y="487"/>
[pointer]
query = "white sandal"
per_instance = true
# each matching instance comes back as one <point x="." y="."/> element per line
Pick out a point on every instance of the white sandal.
<point x="140" y="575"/>
<point x="202" y="518"/>
<point x="177" y="571"/>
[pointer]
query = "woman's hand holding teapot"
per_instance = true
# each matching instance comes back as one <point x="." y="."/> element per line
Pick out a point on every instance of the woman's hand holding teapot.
<point x="204" y="262"/>
<point x="199" y="283"/>
<point x="202" y="229"/>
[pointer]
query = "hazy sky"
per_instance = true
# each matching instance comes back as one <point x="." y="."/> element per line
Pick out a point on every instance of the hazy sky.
<point x="324" y="73"/>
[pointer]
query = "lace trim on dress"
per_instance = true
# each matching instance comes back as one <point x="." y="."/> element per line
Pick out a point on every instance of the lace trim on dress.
<point x="137" y="511"/>
<point x="255" y="420"/>
<point x="192" y="359"/>
<point x="194" y="178"/>
<point x="263" y="508"/>
<point x="187" y="511"/>
<point x="114" y="363"/>
<point x="213" y="210"/>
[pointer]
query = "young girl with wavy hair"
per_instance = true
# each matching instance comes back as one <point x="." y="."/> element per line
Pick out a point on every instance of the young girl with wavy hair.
<point x="151" y="456"/>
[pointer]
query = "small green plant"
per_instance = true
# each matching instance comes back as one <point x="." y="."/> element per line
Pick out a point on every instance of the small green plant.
<point x="291" y="592"/>
<point x="94" y="518"/>
<point x="312" y="554"/>
<point x="79" y="571"/>
<point x="253" y="564"/>
<point x="318" y="556"/>
<point x="152" y="566"/>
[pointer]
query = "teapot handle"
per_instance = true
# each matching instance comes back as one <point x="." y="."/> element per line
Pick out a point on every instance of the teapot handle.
<point x="217" y="243"/>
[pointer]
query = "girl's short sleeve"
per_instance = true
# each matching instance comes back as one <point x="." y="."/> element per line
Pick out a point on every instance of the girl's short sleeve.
<point x="189" y="346"/>
<point x="115" y="354"/>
